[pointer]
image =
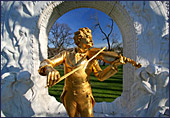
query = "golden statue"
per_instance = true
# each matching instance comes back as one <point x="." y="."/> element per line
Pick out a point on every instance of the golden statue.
<point x="77" y="94"/>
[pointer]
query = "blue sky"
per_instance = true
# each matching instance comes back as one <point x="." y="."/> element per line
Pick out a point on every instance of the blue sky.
<point x="80" y="17"/>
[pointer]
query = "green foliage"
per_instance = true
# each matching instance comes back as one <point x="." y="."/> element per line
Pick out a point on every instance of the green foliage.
<point x="107" y="90"/>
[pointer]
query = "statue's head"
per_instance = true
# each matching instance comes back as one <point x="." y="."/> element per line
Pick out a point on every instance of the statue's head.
<point x="83" y="38"/>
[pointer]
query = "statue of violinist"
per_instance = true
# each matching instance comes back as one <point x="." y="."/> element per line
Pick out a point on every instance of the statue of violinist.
<point x="77" y="94"/>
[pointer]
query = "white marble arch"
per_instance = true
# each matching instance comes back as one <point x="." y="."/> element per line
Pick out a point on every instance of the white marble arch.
<point x="137" y="21"/>
<point x="113" y="9"/>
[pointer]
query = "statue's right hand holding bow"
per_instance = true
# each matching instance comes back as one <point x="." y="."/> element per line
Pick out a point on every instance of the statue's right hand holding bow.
<point x="52" y="76"/>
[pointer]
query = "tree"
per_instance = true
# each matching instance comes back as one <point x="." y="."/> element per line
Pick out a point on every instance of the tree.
<point x="60" y="37"/>
<point x="98" y="25"/>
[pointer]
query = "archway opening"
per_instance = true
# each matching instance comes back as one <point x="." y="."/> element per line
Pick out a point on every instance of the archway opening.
<point x="113" y="9"/>
<point x="70" y="22"/>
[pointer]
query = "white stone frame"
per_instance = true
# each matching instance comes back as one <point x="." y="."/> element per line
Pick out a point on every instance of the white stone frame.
<point x="137" y="21"/>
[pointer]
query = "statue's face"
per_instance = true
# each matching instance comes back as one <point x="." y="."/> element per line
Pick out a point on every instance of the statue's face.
<point x="86" y="42"/>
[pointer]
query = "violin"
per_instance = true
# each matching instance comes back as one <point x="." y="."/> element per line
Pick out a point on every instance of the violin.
<point x="111" y="56"/>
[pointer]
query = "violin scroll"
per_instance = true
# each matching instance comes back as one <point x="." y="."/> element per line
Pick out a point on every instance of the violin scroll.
<point x="124" y="60"/>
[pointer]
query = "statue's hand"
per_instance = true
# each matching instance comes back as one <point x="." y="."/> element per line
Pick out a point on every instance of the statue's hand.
<point x="52" y="76"/>
<point x="121" y="60"/>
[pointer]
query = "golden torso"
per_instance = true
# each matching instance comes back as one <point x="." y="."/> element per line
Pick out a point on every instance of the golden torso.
<point x="80" y="79"/>
<point x="77" y="88"/>
<point x="74" y="60"/>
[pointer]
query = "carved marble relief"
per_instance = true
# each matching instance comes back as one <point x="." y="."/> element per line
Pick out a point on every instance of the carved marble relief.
<point x="21" y="50"/>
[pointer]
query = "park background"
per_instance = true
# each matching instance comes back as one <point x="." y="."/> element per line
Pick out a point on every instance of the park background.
<point x="69" y="23"/>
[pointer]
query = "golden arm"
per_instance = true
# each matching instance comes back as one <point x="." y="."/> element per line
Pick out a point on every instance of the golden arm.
<point x="47" y="68"/>
<point x="110" y="70"/>
<point x="103" y="74"/>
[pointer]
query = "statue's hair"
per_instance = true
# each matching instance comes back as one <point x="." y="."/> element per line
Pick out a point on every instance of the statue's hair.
<point x="81" y="34"/>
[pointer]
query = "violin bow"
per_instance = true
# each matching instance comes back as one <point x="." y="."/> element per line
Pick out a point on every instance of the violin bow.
<point x="80" y="67"/>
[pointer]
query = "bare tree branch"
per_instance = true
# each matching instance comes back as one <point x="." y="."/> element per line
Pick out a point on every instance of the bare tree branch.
<point x="111" y="29"/>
